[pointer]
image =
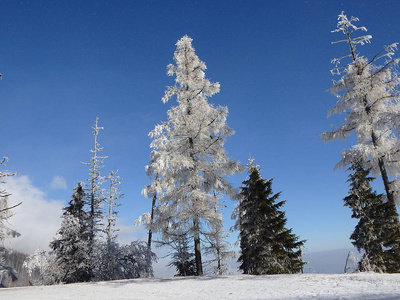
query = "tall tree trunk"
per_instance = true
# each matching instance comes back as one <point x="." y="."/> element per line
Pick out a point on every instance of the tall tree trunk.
<point x="91" y="235"/>
<point x="148" y="255"/>
<point x="219" y="262"/>
<point x="386" y="182"/>
<point x="384" y="175"/>
<point x="197" y="249"/>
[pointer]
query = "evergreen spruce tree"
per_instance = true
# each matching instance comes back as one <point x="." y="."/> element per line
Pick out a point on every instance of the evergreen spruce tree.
<point x="377" y="233"/>
<point x="391" y="237"/>
<point x="72" y="245"/>
<point x="267" y="246"/>
<point x="365" y="205"/>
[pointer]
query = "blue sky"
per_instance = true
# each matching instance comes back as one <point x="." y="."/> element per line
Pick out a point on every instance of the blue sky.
<point x="64" y="63"/>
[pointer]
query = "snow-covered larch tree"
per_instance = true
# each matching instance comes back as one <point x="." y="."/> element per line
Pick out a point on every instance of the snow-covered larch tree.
<point x="147" y="219"/>
<point x="114" y="193"/>
<point x="217" y="246"/>
<point x="112" y="246"/>
<point x="368" y="94"/>
<point x="188" y="160"/>
<point x="96" y="194"/>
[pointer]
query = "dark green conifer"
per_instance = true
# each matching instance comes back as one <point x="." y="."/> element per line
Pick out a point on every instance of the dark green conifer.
<point x="182" y="259"/>
<point x="267" y="246"/>
<point x="377" y="233"/>
<point x="71" y="247"/>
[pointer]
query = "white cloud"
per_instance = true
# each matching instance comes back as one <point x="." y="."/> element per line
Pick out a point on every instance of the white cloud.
<point x="58" y="183"/>
<point x="37" y="219"/>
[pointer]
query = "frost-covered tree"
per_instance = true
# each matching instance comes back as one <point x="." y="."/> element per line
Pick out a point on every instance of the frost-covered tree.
<point x="267" y="246"/>
<point x="188" y="161"/>
<point x="5" y="214"/>
<point x="5" y="209"/>
<point x="41" y="268"/>
<point x="132" y="261"/>
<point x="217" y="246"/>
<point x="128" y="261"/>
<point x="377" y="233"/>
<point x="72" y="245"/>
<point x="148" y="218"/>
<point x="352" y="263"/>
<point x="366" y="206"/>
<point x="182" y="258"/>
<point x="112" y="247"/>
<point x="114" y="193"/>
<point x="368" y="94"/>
<point x="95" y="193"/>
<point x="220" y="249"/>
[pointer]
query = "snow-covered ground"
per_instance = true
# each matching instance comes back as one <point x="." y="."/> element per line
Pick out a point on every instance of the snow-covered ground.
<point x="302" y="286"/>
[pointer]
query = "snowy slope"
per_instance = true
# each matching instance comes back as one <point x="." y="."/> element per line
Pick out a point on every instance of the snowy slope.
<point x="301" y="286"/>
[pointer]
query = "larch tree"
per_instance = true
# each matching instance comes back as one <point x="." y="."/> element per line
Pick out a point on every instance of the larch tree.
<point x="114" y="193"/>
<point x="96" y="194"/>
<point x="217" y="245"/>
<point x="150" y="191"/>
<point x="368" y="94"/>
<point x="112" y="247"/>
<point x="267" y="246"/>
<point x="188" y="161"/>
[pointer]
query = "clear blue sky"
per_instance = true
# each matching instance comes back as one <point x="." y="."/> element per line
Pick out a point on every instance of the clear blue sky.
<point x="66" y="62"/>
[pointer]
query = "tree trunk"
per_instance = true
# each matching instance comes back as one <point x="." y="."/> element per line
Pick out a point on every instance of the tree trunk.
<point x="148" y="257"/>
<point x="219" y="265"/>
<point x="386" y="181"/>
<point x="197" y="250"/>
<point x="384" y="175"/>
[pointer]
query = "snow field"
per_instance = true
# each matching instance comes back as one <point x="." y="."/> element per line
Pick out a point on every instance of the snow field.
<point x="364" y="286"/>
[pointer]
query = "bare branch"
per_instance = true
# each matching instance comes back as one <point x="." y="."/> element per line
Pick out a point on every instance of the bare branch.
<point x="8" y="208"/>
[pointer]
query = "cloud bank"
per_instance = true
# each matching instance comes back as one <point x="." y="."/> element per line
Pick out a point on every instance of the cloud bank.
<point x="37" y="219"/>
